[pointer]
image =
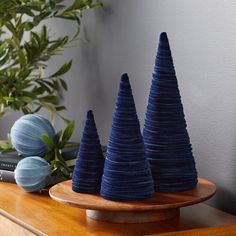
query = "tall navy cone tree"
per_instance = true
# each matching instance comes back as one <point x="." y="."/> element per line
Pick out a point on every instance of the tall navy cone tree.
<point x="166" y="139"/>
<point x="90" y="161"/>
<point x="127" y="175"/>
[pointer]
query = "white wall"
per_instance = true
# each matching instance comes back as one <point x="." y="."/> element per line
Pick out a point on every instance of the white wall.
<point x="123" y="38"/>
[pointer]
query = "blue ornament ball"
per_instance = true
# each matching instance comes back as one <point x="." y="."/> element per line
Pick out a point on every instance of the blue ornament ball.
<point x="26" y="135"/>
<point x="32" y="173"/>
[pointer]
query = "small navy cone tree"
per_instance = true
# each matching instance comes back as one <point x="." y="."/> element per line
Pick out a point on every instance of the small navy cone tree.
<point x="90" y="161"/>
<point x="127" y="175"/>
<point x="166" y="139"/>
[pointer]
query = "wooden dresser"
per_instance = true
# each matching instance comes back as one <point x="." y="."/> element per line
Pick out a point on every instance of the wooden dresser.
<point x="24" y="213"/>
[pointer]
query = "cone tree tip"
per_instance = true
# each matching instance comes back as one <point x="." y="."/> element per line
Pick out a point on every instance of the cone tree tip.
<point x="125" y="78"/>
<point x="163" y="37"/>
<point x="90" y="114"/>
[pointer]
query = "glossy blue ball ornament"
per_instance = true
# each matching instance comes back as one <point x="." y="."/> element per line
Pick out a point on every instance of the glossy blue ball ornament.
<point x="26" y="135"/>
<point x="32" y="173"/>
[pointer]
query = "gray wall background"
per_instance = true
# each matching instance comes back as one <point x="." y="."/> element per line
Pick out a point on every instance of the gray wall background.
<point x="123" y="37"/>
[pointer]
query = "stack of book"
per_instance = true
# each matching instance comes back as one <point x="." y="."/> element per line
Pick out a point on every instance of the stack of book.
<point x="9" y="161"/>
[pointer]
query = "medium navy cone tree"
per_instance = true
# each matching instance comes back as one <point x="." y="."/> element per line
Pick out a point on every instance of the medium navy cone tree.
<point x="90" y="161"/>
<point x="166" y="139"/>
<point x="127" y="174"/>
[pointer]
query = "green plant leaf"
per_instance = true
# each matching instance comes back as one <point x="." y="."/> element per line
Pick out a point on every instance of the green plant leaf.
<point x="60" y="108"/>
<point x="9" y="99"/>
<point x="68" y="131"/>
<point x="63" y="69"/>
<point x="24" y="10"/>
<point x="29" y="26"/>
<point x="64" y="84"/>
<point x="58" y="137"/>
<point x="26" y="99"/>
<point x="49" y="156"/>
<point x="96" y="4"/>
<point x="48" y="141"/>
<point x="49" y="99"/>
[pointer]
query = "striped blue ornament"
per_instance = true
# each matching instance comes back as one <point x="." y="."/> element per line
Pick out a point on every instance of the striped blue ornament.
<point x="32" y="173"/>
<point x="26" y="135"/>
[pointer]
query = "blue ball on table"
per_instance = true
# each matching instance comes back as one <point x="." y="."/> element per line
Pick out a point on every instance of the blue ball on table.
<point x="26" y="135"/>
<point x="32" y="173"/>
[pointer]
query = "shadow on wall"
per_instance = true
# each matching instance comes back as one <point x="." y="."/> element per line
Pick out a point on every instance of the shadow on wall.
<point x="224" y="200"/>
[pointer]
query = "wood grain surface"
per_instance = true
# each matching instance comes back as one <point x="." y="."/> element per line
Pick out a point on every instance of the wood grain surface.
<point x="41" y="215"/>
<point x="132" y="217"/>
<point x="229" y="230"/>
<point x="63" y="193"/>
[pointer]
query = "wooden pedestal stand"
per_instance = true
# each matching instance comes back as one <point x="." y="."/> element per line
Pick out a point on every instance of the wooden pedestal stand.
<point x="161" y="206"/>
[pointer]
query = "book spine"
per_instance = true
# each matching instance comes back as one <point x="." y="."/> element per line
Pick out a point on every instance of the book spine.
<point x="12" y="166"/>
<point x="7" y="166"/>
<point x="7" y="176"/>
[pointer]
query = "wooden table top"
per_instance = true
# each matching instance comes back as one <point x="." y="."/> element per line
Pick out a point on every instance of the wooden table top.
<point x="40" y="214"/>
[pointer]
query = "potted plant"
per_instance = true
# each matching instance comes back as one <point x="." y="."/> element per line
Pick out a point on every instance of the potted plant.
<point x="26" y="46"/>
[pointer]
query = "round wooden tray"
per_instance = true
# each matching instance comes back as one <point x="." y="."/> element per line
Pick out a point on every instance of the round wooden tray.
<point x="160" y="206"/>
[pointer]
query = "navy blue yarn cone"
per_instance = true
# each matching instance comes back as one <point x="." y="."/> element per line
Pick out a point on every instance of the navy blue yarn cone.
<point x="166" y="139"/>
<point x="127" y="174"/>
<point x="90" y="161"/>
